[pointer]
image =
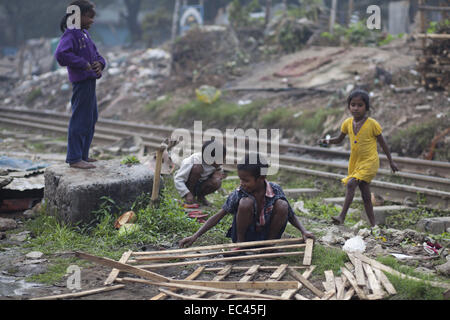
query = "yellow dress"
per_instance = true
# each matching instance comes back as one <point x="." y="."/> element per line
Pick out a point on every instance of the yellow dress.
<point x="364" y="161"/>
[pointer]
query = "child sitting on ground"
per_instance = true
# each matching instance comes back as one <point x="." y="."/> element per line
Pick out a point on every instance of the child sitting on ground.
<point x="197" y="177"/>
<point x="260" y="208"/>
<point x="364" y="133"/>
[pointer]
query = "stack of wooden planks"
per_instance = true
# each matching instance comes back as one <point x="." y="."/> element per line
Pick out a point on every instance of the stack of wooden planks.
<point x="363" y="278"/>
<point x="434" y="62"/>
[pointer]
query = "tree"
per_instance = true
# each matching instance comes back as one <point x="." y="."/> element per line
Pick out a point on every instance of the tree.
<point x="131" y="18"/>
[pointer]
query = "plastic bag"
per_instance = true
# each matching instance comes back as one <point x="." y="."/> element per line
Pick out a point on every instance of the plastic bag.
<point x="208" y="94"/>
<point x="355" y="244"/>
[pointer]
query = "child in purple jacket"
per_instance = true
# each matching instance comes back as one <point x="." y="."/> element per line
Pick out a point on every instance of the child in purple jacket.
<point x="78" y="53"/>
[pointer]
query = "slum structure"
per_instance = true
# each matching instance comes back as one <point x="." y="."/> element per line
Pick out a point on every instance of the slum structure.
<point x="434" y="61"/>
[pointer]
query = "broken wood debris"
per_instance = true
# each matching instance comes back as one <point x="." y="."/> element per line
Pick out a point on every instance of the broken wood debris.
<point x="363" y="277"/>
<point x="81" y="294"/>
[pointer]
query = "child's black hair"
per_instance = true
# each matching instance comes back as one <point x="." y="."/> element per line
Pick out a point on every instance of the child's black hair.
<point x="362" y="94"/>
<point x="253" y="163"/>
<point x="85" y="7"/>
<point x="213" y="152"/>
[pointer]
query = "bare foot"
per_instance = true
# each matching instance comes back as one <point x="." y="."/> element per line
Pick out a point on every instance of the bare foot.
<point x="82" y="165"/>
<point x="336" y="220"/>
<point x="91" y="160"/>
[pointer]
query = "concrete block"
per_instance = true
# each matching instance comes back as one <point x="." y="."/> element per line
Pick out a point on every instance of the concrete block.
<point x="295" y="193"/>
<point x="72" y="194"/>
<point x="381" y="213"/>
<point x="436" y="225"/>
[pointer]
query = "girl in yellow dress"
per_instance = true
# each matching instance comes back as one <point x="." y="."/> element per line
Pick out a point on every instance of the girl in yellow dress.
<point x="364" y="132"/>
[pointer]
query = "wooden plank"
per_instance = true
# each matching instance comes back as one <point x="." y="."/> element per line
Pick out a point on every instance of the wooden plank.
<point x="184" y="297"/>
<point x="373" y="281"/>
<point x="308" y="252"/>
<point x="330" y="284"/>
<point x="261" y="268"/>
<point x="201" y="288"/>
<point x="248" y="276"/>
<point x="350" y="267"/>
<point x="433" y="36"/>
<point x="208" y="254"/>
<point x="122" y="267"/>
<point x="192" y="276"/>
<point x="349" y="294"/>
<point x="385" y="281"/>
<point x="220" y="276"/>
<point x="328" y="295"/>
<point x="382" y="267"/>
<point x="352" y="281"/>
<point x="237" y="258"/>
<point x="237" y="285"/>
<point x="115" y="272"/>
<point x="223" y="246"/>
<point x="359" y="272"/>
<point x="81" y="294"/>
<point x="433" y="8"/>
<point x="340" y="287"/>
<point x="278" y="273"/>
<point x="305" y="282"/>
<point x="300" y="297"/>
<point x="288" y="294"/>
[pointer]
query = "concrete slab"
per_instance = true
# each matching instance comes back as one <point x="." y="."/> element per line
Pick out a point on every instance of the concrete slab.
<point x="72" y="194"/>
<point x="436" y="225"/>
<point x="381" y="213"/>
<point x="295" y="193"/>
<point x="340" y="200"/>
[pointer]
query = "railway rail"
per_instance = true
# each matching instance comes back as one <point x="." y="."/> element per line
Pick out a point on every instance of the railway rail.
<point x="418" y="178"/>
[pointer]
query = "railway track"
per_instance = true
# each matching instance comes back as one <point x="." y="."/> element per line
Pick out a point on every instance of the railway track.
<point x="418" y="179"/>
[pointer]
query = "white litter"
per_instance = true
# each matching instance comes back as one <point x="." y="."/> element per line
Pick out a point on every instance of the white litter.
<point x="355" y="244"/>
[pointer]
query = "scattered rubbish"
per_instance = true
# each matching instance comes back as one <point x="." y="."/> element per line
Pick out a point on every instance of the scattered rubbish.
<point x="208" y="94"/>
<point x="14" y="164"/>
<point x="127" y="218"/>
<point x="401" y="256"/>
<point x="355" y="244"/>
<point x="34" y="255"/>
<point x="244" y="102"/>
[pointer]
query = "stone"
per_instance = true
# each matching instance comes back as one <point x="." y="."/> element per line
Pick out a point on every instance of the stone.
<point x="444" y="269"/>
<point x="73" y="194"/>
<point x="436" y="225"/>
<point x="34" y="255"/>
<point x="425" y="270"/>
<point x="363" y="233"/>
<point x="7" y="224"/>
<point x="20" y="237"/>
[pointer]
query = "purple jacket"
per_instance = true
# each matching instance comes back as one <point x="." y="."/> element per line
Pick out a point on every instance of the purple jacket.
<point x="75" y="50"/>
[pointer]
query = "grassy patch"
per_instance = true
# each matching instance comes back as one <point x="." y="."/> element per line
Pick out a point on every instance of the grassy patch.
<point x="218" y="114"/>
<point x="410" y="289"/>
<point x="158" y="104"/>
<point x="130" y="160"/>
<point x="326" y="258"/>
<point x="56" y="271"/>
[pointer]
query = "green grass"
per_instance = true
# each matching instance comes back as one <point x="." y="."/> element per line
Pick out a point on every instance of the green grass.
<point x="130" y="160"/>
<point x="411" y="289"/>
<point x="218" y="114"/>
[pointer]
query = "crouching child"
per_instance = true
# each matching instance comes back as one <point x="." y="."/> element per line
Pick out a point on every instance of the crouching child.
<point x="260" y="208"/>
<point x="198" y="176"/>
